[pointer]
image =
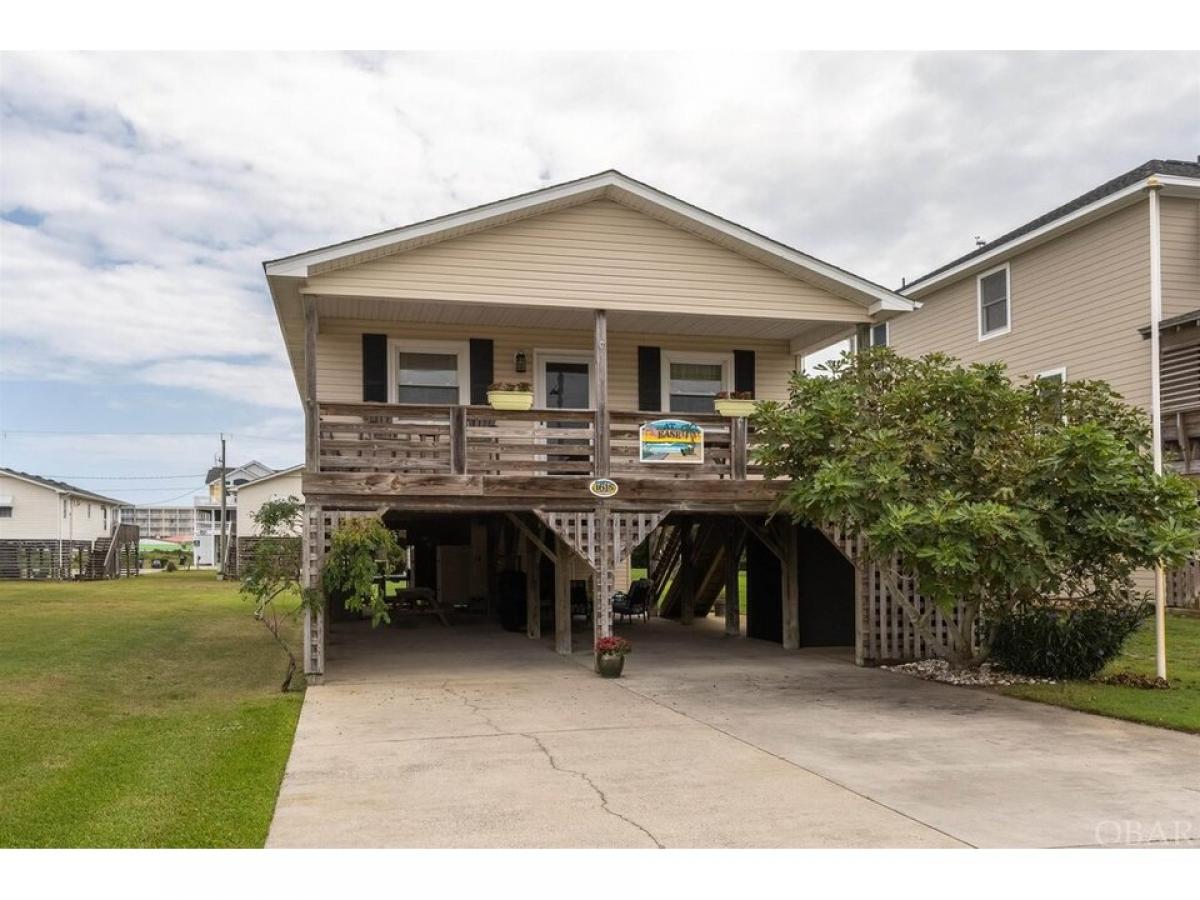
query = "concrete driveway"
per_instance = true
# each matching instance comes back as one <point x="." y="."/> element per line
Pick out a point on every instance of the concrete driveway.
<point x="473" y="737"/>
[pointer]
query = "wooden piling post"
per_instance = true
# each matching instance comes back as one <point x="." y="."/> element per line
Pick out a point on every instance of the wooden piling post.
<point x="687" y="575"/>
<point x="790" y="586"/>
<point x="562" y="598"/>
<point x="533" y="591"/>
<point x="733" y="552"/>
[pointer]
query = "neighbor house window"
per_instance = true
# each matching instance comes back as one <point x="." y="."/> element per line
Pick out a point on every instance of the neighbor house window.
<point x="429" y="373"/>
<point x="693" y="382"/>
<point x="879" y="335"/>
<point x="5" y="512"/>
<point x="994" y="307"/>
<point x="1053" y="376"/>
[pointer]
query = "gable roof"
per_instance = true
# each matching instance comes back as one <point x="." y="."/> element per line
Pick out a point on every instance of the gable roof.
<point x="612" y="185"/>
<point x="276" y="474"/>
<point x="60" y="486"/>
<point x="1126" y="185"/>
<point x="214" y="473"/>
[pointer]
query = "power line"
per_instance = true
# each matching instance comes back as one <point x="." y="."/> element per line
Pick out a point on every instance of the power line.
<point x="168" y="500"/>
<point x="127" y="477"/>
<point x="246" y="437"/>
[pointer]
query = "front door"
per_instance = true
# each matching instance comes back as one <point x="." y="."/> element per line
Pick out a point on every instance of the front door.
<point x="566" y="383"/>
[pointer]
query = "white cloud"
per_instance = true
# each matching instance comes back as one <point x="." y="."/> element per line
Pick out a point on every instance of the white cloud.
<point x="164" y="180"/>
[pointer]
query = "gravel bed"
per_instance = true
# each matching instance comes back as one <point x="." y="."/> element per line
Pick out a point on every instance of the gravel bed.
<point x="986" y="675"/>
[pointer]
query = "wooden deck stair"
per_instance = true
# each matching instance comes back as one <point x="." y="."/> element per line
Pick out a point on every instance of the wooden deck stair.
<point x="709" y="546"/>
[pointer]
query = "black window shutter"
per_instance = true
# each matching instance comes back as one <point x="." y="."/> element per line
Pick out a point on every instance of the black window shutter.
<point x="374" y="368"/>
<point x="649" y="379"/>
<point x="482" y="367"/>
<point x="743" y="370"/>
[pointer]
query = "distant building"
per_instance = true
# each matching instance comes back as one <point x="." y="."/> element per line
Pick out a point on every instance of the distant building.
<point x="162" y="522"/>
<point x="206" y="533"/>
<point x="51" y="529"/>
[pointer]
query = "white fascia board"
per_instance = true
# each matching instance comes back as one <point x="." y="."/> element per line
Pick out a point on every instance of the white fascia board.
<point x="1120" y="198"/>
<point x="298" y="266"/>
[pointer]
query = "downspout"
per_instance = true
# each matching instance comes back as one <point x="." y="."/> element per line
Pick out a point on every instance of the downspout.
<point x="1153" y="186"/>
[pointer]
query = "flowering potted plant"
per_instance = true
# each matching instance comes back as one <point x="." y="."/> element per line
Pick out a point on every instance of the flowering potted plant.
<point x="735" y="404"/>
<point x="510" y="395"/>
<point x="610" y="656"/>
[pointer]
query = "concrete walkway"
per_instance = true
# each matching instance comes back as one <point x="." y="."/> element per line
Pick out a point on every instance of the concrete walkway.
<point x="472" y="737"/>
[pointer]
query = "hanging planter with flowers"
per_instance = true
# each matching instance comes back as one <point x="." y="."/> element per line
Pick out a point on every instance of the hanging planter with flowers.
<point x="508" y="395"/>
<point x="735" y="404"/>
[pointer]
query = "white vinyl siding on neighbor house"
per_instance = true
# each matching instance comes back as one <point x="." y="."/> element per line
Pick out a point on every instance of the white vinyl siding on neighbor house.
<point x="1078" y="302"/>
<point x="252" y="496"/>
<point x="41" y="513"/>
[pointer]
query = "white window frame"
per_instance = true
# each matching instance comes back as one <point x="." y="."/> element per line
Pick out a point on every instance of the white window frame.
<point x="1008" y="290"/>
<point x="460" y="349"/>
<point x="542" y="355"/>
<point x="1061" y="372"/>
<point x="887" y="334"/>
<point x="681" y="356"/>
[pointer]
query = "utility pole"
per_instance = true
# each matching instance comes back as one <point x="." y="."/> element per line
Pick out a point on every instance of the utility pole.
<point x="224" y="514"/>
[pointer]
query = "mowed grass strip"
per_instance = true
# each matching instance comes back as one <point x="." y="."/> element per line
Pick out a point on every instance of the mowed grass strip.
<point x="1177" y="707"/>
<point x="141" y="712"/>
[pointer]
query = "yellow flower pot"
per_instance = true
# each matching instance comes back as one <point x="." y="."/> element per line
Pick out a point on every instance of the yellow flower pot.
<point x="735" y="408"/>
<point x="510" y="400"/>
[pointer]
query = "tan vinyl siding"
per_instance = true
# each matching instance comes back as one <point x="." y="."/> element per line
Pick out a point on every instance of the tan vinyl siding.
<point x="1180" y="255"/>
<point x="1076" y="301"/>
<point x="339" y="355"/>
<point x="599" y="254"/>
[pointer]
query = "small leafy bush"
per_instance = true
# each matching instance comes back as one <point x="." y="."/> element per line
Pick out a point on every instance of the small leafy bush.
<point x="171" y="567"/>
<point x="359" y="551"/>
<point x="1047" y="641"/>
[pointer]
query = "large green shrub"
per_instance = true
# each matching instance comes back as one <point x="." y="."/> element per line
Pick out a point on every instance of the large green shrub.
<point x="1044" y="640"/>
<point x="993" y="494"/>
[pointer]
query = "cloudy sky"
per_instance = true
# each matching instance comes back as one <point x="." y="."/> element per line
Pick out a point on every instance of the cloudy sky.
<point x="139" y="195"/>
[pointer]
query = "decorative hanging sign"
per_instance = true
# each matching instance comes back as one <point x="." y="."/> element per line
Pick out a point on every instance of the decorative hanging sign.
<point x="603" y="487"/>
<point x="671" y="441"/>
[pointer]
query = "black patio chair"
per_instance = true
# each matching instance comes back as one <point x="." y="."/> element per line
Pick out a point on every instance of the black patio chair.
<point x="635" y="603"/>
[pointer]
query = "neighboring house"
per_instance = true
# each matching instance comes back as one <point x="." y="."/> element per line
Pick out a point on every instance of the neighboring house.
<point x="162" y="522"/>
<point x="51" y="529"/>
<point x="206" y="540"/>
<point x="622" y="306"/>
<point x="251" y="496"/>
<point x="235" y="477"/>
<point x="1067" y="296"/>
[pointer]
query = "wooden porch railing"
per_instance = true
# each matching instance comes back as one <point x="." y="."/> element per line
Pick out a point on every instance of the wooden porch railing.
<point x="478" y="440"/>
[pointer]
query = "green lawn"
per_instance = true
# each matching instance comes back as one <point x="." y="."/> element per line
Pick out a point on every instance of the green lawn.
<point x="141" y="712"/>
<point x="1178" y="707"/>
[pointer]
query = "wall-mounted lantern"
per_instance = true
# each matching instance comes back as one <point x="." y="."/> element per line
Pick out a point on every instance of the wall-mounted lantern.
<point x="520" y="362"/>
